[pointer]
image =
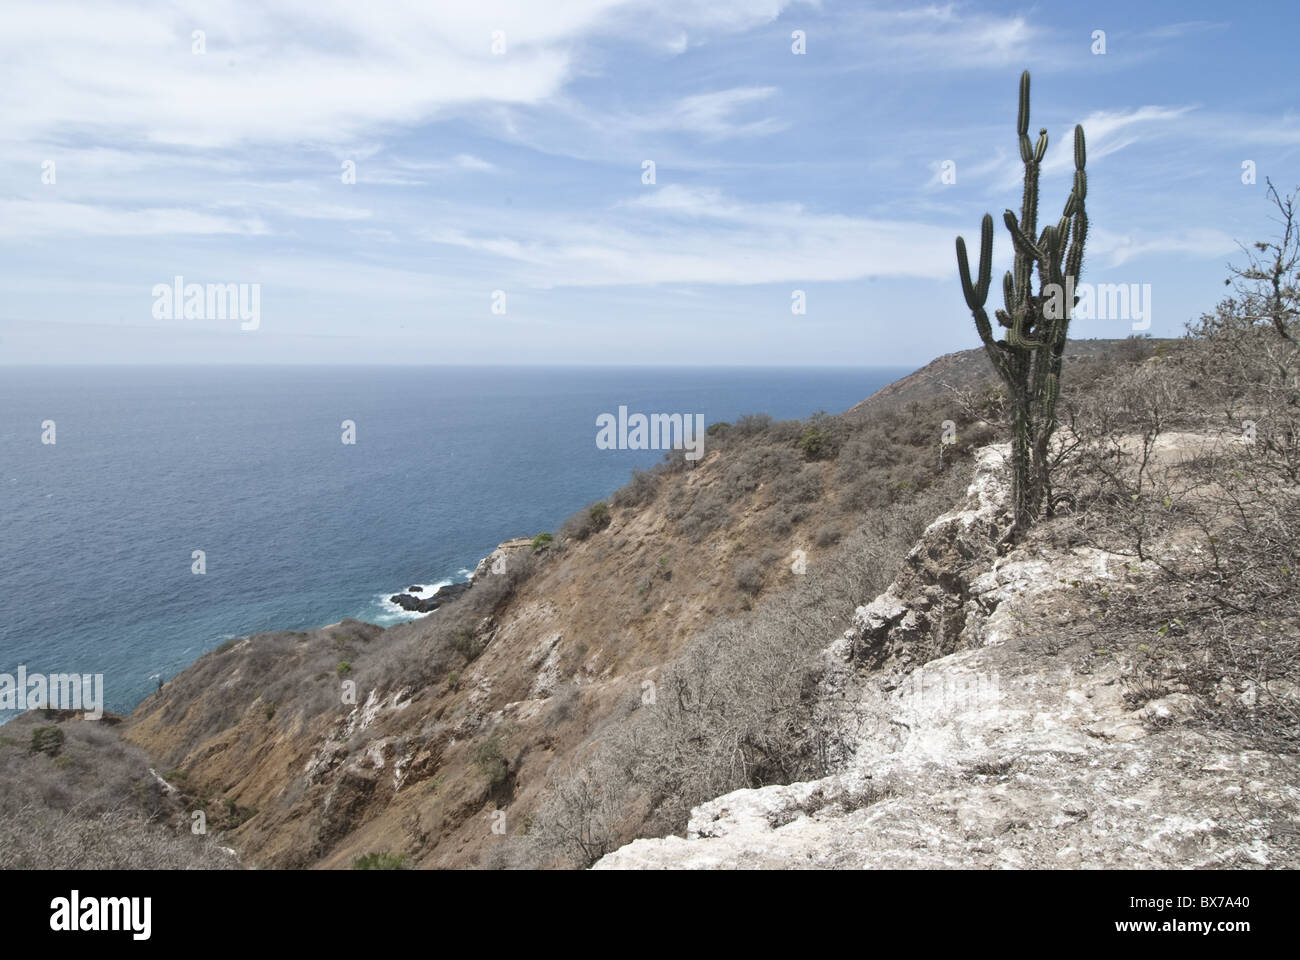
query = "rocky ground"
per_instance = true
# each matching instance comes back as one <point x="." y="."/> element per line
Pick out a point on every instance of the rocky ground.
<point x="985" y="724"/>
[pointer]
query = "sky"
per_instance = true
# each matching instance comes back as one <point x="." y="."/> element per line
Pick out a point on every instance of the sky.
<point x="500" y="211"/>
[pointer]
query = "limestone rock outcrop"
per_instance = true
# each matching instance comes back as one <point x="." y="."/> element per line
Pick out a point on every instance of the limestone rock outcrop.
<point x="981" y="726"/>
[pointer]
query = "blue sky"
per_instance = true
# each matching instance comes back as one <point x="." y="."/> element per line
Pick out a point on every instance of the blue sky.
<point x="522" y="172"/>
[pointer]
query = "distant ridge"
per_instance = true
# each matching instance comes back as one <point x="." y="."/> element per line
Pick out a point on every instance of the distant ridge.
<point x="965" y="369"/>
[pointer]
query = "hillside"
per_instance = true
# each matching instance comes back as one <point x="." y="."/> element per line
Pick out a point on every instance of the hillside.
<point x="662" y="667"/>
<point x="477" y="708"/>
<point x="968" y="371"/>
<point x="1008" y="730"/>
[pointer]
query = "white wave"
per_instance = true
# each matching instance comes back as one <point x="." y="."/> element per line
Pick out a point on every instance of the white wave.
<point x="392" y="613"/>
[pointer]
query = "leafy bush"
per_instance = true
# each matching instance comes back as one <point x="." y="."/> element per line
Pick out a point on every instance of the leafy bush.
<point x="815" y="443"/>
<point x="542" y="541"/>
<point x="467" y="644"/>
<point x="47" y="740"/>
<point x="586" y="522"/>
<point x="491" y="761"/>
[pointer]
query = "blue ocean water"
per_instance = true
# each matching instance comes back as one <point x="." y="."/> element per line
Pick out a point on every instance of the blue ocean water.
<point x="248" y="465"/>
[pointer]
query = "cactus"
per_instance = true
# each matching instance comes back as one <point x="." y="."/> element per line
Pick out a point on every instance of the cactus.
<point x="1028" y="359"/>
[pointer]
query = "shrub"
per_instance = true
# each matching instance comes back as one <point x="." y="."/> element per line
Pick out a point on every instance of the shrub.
<point x="749" y="578"/>
<point x="491" y="761"/>
<point x="464" y="642"/>
<point x="752" y="423"/>
<point x="564" y="704"/>
<point x="708" y="513"/>
<point x="47" y="740"/>
<point x="785" y="431"/>
<point x="827" y="536"/>
<point x="344" y="668"/>
<point x="542" y="541"/>
<point x="640" y="489"/>
<point x="802" y="487"/>
<point x="814" y="443"/>
<point x="585" y="522"/>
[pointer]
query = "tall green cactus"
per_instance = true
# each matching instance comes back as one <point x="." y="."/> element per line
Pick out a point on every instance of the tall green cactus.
<point x="1028" y="359"/>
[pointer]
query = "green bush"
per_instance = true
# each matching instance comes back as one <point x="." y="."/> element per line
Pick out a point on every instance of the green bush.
<point x="815" y="443"/>
<point x="586" y="522"/>
<point x="466" y="644"/>
<point x="491" y="761"/>
<point x="542" y="541"/>
<point x="344" y="668"/>
<point x="47" y="740"/>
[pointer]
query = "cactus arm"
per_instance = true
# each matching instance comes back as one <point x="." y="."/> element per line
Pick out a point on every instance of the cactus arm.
<point x="977" y="293"/>
<point x="1020" y="237"/>
<point x="986" y="257"/>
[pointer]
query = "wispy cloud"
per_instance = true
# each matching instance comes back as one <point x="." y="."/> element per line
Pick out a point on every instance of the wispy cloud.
<point x="948" y="37"/>
<point x="714" y="115"/>
<point x="1184" y="28"/>
<point x="1119" y="248"/>
<point x="689" y="235"/>
<point x="26" y="218"/>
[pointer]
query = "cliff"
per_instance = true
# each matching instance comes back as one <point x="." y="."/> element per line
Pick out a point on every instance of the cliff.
<point x="987" y="721"/>
<point x="441" y="740"/>
<point x="664" y="666"/>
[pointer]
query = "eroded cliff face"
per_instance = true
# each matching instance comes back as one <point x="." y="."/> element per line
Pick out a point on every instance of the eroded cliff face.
<point x="432" y="765"/>
<point x="983" y="722"/>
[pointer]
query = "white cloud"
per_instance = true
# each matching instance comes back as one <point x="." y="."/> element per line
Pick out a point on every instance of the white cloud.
<point x="713" y="114"/>
<point x="1105" y="131"/>
<point x="1109" y="131"/>
<point x="26" y="218"/>
<point x="1199" y="243"/>
<point x="687" y="235"/>
<point x="324" y="71"/>
<point x="944" y="37"/>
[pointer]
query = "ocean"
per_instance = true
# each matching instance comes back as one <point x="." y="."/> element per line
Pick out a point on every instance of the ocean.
<point x="297" y="528"/>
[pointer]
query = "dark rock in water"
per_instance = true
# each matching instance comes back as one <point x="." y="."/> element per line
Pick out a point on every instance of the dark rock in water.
<point x="415" y="589"/>
<point x="451" y="591"/>
<point x="426" y="604"/>
<point x="414" y="604"/>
